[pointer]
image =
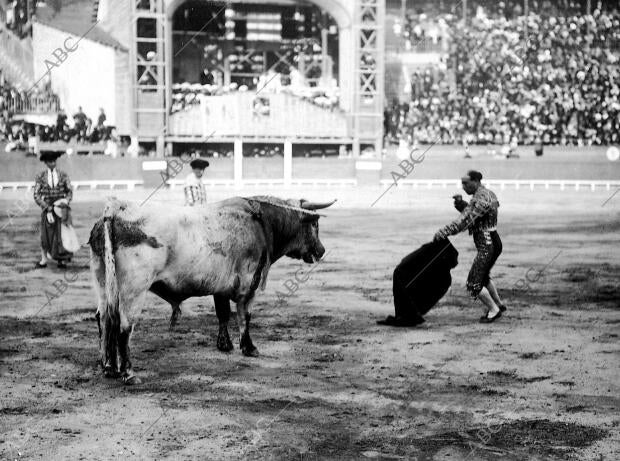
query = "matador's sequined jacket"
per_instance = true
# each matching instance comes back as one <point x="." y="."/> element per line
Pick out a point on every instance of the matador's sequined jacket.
<point x="45" y="195"/>
<point x="479" y="215"/>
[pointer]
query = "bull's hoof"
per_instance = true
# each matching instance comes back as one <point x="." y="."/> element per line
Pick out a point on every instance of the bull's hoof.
<point x="130" y="380"/>
<point x="110" y="372"/>
<point x="249" y="351"/>
<point x="224" y="343"/>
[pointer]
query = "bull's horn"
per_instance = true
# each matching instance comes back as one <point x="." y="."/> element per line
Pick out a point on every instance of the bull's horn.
<point x="316" y="206"/>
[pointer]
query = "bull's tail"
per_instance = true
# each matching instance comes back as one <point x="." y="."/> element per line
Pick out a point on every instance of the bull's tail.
<point x="109" y="261"/>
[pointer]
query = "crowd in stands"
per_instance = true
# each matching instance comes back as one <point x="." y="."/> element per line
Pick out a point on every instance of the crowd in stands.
<point x="427" y="15"/>
<point x="18" y="125"/>
<point x="560" y="85"/>
<point x="426" y="26"/>
<point x="187" y="95"/>
<point x="21" y="134"/>
<point x="15" y="99"/>
<point x="18" y="130"/>
<point x="430" y="21"/>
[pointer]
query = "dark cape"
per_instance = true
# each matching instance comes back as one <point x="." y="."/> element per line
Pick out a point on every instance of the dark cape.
<point x="420" y="280"/>
<point x="51" y="239"/>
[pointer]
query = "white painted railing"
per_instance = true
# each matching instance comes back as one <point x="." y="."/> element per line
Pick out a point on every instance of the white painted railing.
<point x="308" y="182"/>
<point x="517" y="184"/>
<point x="324" y="182"/>
<point x="129" y="184"/>
<point x="16" y="185"/>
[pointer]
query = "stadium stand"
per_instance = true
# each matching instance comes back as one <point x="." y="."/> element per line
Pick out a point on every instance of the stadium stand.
<point x="549" y="78"/>
<point x="560" y="85"/>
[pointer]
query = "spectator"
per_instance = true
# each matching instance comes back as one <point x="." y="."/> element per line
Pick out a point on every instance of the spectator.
<point x="61" y="123"/>
<point x="101" y="118"/>
<point x="79" y="119"/>
<point x="206" y="77"/>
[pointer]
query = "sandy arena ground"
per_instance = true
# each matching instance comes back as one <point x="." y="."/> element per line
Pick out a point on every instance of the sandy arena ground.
<point x="541" y="383"/>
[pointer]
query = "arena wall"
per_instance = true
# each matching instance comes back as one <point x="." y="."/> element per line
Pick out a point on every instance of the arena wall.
<point x="100" y="168"/>
<point x="16" y="168"/>
<point x="258" y="168"/>
<point x="558" y="162"/>
<point x="440" y="162"/>
<point x="323" y="168"/>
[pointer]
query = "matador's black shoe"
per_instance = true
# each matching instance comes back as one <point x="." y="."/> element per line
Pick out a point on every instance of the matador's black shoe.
<point x="487" y="319"/>
<point x="38" y="265"/>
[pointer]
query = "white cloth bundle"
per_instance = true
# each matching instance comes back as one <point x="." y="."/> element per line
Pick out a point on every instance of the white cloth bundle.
<point x="69" y="238"/>
<point x="68" y="235"/>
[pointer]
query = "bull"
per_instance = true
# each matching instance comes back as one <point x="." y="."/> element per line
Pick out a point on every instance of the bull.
<point x="225" y="249"/>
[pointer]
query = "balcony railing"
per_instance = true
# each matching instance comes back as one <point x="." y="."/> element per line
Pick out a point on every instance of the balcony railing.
<point x="21" y="103"/>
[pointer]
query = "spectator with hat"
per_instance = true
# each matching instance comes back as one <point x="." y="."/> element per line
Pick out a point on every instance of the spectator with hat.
<point x="79" y="120"/>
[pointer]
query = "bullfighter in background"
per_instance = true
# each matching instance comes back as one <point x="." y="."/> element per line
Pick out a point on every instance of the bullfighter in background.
<point x="52" y="192"/>
<point x="195" y="193"/>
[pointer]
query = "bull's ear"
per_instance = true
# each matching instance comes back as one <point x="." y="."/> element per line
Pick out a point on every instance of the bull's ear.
<point x="307" y="217"/>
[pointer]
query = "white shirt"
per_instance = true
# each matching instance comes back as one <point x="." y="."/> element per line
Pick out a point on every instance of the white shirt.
<point x="52" y="177"/>
<point x="195" y="192"/>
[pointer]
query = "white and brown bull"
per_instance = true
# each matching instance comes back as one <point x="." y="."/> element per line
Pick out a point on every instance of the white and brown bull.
<point x="224" y="250"/>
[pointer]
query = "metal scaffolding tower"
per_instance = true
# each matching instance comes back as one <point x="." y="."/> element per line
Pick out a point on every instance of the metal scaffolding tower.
<point x="148" y="68"/>
<point x="369" y="74"/>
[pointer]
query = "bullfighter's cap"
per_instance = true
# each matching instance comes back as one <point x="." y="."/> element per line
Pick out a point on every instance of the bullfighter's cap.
<point x="49" y="156"/>
<point x="473" y="175"/>
<point x="199" y="163"/>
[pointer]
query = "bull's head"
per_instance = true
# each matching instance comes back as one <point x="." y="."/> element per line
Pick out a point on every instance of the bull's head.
<point x="307" y="245"/>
